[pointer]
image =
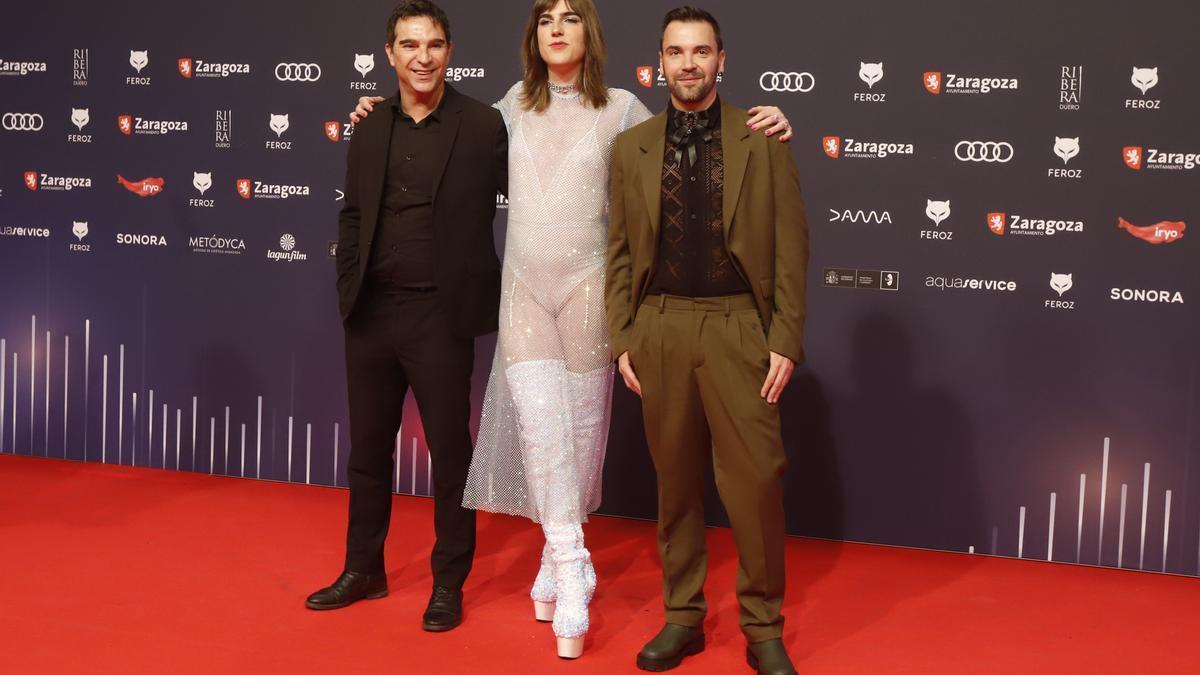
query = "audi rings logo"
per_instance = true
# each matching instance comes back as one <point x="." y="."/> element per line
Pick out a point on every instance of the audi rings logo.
<point x="983" y="151"/>
<point x="22" y="122"/>
<point x="791" y="82"/>
<point x="297" y="72"/>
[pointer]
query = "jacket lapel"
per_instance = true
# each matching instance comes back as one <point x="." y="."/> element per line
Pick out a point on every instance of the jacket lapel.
<point x="736" y="147"/>
<point x="451" y="117"/>
<point x="653" y="144"/>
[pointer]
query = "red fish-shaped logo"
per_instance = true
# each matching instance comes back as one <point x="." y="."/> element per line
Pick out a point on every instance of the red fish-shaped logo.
<point x="832" y="145"/>
<point x="333" y="130"/>
<point x="645" y="76"/>
<point x="243" y="188"/>
<point x="933" y="82"/>
<point x="1164" y="232"/>
<point x="996" y="222"/>
<point x="185" y="67"/>
<point x="146" y="187"/>
<point x="1132" y="154"/>
<point x="125" y="124"/>
<point x="31" y="180"/>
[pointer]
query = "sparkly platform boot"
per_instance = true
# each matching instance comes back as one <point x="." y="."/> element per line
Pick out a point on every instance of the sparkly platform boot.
<point x="542" y="592"/>
<point x="571" y="562"/>
<point x="590" y="393"/>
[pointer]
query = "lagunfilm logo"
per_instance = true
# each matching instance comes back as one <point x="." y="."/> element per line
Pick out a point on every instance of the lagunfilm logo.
<point x="1060" y="283"/>
<point x="937" y="83"/>
<point x="1066" y="149"/>
<point x="287" y="251"/>
<point x="278" y="124"/>
<point x="1144" y="79"/>
<point x="1162" y="232"/>
<point x="870" y="74"/>
<point x="248" y="188"/>
<point x="133" y="125"/>
<point x="202" y="182"/>
<point x="189" y="68"/>
<point x="80" y="117"/>
<point x="1156" y="159"/>
<point x="363" y="63"/>
<point x="138" y="60"/>
<point x="21" y="68"/>
<point x="836" y="147"/>
<point x="36" y="180"/>
<point x="937" y="211"/>
<point x="999" y="222"/>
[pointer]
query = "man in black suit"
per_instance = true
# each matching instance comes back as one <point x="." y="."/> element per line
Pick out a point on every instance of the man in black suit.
<point x="418" y="280"/>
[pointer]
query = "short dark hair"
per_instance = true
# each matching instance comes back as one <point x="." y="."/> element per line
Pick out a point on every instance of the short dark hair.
<point x="690" y="13"/>
<point x="411" y="9"/>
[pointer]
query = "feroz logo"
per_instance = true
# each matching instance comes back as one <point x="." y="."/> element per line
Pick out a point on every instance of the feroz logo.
<point x="244" y="188"/>
<point x="125" y="124"/>
<point x="645" y="76"/>
<point x="996" y="222"/>
<point x="1066" y="148"/>
<point x="31" y="180"/>
<point x="787" y="82"/>
<point x="1060" y="283"/>
<point x="80" y="117"/>
<point x="870" y="73"/>
<point x="364" y="63"/>
<point x="333" y="130"/>
<point x="933" y="82"/>
<point x="1132" y="154"/>
<point x="279" y="124"/>
<point x="1164" y="232"/>
<point x="298" y="72"/>
<point x="937" y="211"/>
<point x="79" y="229"/>
<point x="185" y="67"/>
<point x="983" y="151"/>
<point x="139" y="60"/>
<point x="201" y="181"/>
<point x="146" y="187"/>
<point x="22" y="122"/>
<point x="1144" y="79"/>
<point x="832" y="145"/>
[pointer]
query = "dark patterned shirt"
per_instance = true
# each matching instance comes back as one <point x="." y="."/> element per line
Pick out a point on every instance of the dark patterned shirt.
<point x="692" y="259"/>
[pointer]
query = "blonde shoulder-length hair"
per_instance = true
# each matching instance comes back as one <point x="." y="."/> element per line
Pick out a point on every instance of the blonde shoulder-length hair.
<point x="535" y="89"/>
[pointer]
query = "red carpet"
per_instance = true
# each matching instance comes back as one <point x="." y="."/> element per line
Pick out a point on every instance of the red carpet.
<point x="112" y="569"/>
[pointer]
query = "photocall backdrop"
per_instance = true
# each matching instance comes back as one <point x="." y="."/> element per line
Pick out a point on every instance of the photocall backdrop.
<point x="1001" y="330"/>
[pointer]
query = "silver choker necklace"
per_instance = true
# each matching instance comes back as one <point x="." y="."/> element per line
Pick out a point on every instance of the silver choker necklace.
<point x="562" y="89"/>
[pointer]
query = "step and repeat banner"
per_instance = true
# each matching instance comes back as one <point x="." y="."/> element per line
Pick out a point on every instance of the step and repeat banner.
<point x="1002" y="329"/>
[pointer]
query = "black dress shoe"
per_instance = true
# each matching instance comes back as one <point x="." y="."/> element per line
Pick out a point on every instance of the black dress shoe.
<point x="668" y="648"/>
<point x="769" y="658"/>
<point x="348" y="589"/>
<point x="444" y="611"/>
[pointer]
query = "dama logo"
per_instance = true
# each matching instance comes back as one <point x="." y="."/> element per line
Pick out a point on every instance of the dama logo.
<point x="645" y="76"/>
<point x="245" y="188"/>
<point x="1132" y="154"/>
<point x="832" y="145"/>
<point x="125" y="124"/>
<point x="31" y="180"/>
<point x="333" y="131"/>
<point x="185" y="67"/>
<point x="996" y="222"/>
<point x="933" y="82"/>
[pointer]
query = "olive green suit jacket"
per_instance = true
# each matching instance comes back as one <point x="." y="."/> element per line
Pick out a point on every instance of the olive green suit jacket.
<point x="766" y="233"/>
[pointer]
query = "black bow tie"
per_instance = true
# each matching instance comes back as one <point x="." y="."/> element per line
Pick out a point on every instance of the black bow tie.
<point x="690" y="129"/>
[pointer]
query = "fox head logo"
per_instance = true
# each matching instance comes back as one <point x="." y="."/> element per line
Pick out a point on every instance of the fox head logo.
<point x="933" y="82"/>
<point x="937" y="211"/>
<point x="1133" y="157"/>
<point x="333" y="130"/>
<point x="870" y="73"/>
<point x="139" y="60"/>
<point x="1066" y="148"/>
<point x="832" y="145"/>
<point x="79" y="229"/>
<point x="201" y="181"/>
<point x="996" y="222"/>
<point x="1144" y="78"/>
<point x="279" y="124"/>
<point x="364" y="63"/>
<point x="80" y="117"/>
<point x="1061" y="283"/>
<point x="645" y="75"/>
<point x="185" y="67"/>
<point x="125" y="124"/>
<point x="31" y="180"/>
<point x="243" y="188"/>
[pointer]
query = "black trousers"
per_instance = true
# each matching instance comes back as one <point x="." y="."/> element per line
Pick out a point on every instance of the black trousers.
<point x="396" y="340"/>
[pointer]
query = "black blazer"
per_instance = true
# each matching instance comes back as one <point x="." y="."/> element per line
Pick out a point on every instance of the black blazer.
<point x="472" y="168"/>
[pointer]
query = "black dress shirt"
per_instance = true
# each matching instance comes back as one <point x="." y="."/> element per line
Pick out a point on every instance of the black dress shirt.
<point x="692" y="259"/>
